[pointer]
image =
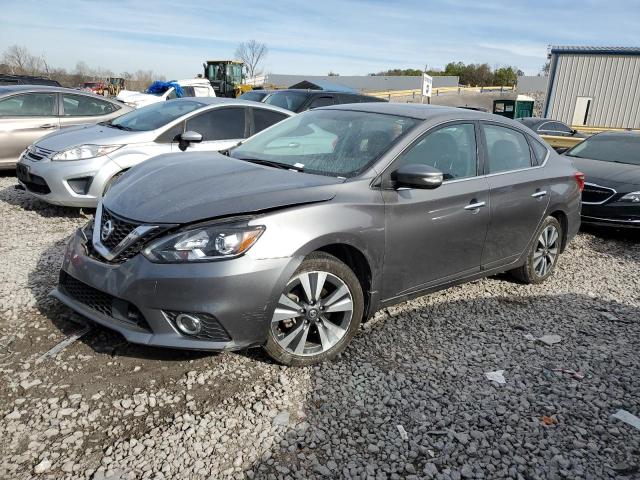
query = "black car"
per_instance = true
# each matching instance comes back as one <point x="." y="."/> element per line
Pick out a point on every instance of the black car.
<point x="299" y="100"/>
<point x="27" y="80"/>
<point x="546" y="126"/>
<point x="610" y="162"/>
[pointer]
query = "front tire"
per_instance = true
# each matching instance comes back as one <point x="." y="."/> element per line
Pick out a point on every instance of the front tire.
<point x="543" y="253"/>
<point x="317" y="314"/>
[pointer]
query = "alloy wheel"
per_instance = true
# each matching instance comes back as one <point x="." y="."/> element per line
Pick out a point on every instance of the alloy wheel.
<point x="313" y="313"/>
<point x="544" y="256"/>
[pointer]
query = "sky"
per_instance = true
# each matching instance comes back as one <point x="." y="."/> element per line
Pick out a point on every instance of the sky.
<point x="349" y="37"/>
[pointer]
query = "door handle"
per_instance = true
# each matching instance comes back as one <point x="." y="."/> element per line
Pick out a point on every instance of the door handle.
<point x="538" y="194"/>
<point x="48" y="125"/>
<point x="475" y="205"/>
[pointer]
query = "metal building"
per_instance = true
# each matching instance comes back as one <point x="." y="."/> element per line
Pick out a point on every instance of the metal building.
<point x="594" y="86"/>
<point x="364" y="83"/>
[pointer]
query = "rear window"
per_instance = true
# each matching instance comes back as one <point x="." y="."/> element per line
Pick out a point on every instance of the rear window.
<point x="289" y="100"/>
<point x="253" y="96"/>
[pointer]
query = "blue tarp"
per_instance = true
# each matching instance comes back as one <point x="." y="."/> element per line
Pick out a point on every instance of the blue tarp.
<point x="161" y="87"/>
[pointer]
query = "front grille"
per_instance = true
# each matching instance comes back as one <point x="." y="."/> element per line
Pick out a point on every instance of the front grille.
<point x="596" y="193"/>
<point x="212" y="330"/>
<point x="102" y="302"/>
<point x="39" y="153"/>
<point x="121" y="228"/>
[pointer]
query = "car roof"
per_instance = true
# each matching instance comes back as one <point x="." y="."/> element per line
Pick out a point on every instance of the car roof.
<point x="422" y="112"/>
<point x="529" y="121"/>
<point x="5" y="90"/>
<point x="231" y="102"/>
<point x="320" y="92"/>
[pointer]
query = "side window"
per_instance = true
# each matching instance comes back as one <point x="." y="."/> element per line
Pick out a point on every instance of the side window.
<point x="321" y="102"/>
<point x="507" y="149"/>
<point x="188" y="92"/>
<point x="451" y="149"/>
<point x="172" y="94"/>
<point x="263" y="118"/>
<point x="171" y="134"/>
<point x="82" y="106"/>
<point x="29" y="105"/>
<point x="219" y="124"/>
<point x="539" y="150"/>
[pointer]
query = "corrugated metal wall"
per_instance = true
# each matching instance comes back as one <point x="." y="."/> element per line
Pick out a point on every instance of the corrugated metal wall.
<point x="530" y="83"/>
<point x="613" y="81"/>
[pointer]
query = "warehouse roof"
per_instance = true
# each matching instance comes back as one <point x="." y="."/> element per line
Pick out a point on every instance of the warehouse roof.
<point x="585" y="50"/>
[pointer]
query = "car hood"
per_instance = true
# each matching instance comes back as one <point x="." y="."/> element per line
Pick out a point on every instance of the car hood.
<point x="608" y="174"/>
<point x="92" y="134"/>
<point x="188" y="187"/>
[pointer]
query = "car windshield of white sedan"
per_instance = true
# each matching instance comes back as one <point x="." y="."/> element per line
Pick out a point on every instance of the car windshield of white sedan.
<point x="329" y="142"/>
<point x="154" y="116"/>
<point x="623" y="148"/>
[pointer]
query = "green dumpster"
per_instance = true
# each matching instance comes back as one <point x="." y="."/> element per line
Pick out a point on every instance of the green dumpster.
<point x="521" y="107"/>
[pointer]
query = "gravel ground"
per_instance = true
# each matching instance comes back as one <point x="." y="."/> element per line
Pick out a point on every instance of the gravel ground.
<point x="408" y="399"/>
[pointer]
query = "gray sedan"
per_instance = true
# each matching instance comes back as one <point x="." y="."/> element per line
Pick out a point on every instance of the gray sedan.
<point x="76" y="166"/>
<point x="310" y="227"/>
<point x="29" y="112"/>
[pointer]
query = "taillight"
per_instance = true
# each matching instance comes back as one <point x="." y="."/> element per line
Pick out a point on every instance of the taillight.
<point x="579" y="180"/>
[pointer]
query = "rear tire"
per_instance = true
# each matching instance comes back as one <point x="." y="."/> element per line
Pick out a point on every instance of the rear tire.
<point x="543" y="253"/>
<point x="317" y="314"/>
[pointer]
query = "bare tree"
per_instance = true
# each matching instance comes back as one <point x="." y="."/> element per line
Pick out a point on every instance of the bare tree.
<point x="252" y="53"/>
<point x="21" y="62"/>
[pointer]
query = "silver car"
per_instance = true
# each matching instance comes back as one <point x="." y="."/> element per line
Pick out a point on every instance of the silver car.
<point x="29" y="112"/>
<point x="77" y="166"/>
<point x="308" y="228"/>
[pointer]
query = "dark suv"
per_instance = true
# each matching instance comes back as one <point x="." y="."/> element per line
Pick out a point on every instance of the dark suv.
<point x="27" y="80"/>
<point x="299" y="100"/>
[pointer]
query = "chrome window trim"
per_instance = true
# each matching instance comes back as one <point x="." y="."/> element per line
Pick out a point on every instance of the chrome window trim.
<point x="603" y="187"/>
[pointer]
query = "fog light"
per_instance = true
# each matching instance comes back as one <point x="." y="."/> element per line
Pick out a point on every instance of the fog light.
<point x="188" y="324"/>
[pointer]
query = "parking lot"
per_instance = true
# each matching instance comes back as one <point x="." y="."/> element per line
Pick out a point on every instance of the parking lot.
<point x="408" y="399"/>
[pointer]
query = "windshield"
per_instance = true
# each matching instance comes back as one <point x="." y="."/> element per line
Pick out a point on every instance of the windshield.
<point x="609" y="148"/>
<point x="329" y="142"/>
<point x="289" y="100"/>
<point x="154" y="116"/>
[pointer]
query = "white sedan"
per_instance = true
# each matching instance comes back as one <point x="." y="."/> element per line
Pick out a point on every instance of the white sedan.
<point x="75" y="167"/>
<point x="192" y="87"/>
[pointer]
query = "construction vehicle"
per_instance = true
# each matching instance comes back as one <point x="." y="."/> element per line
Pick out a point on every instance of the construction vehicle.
<point x="114" y="85"/>
<point x="226" y="77"/>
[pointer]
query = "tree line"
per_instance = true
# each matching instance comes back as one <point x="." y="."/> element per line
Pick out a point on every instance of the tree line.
<point x="472" y="74"/>
<point x="17" y="60"/>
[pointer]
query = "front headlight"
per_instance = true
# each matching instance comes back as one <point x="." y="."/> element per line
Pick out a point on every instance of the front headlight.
<point x="83" y="152"/>
<point x="204" y="244"/>
<point x="633" y="197"/>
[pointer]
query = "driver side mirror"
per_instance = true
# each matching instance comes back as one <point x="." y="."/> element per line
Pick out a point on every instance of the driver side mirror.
<point x="187" y="138"/>
<point x="417" y="175"/>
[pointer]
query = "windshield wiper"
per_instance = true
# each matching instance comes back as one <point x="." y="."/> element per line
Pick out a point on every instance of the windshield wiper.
<point x="270" y="163"/>
<point x="120" y="127"/>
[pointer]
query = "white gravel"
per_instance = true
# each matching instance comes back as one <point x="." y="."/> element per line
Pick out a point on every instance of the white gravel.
<point x="408" y="399"/>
